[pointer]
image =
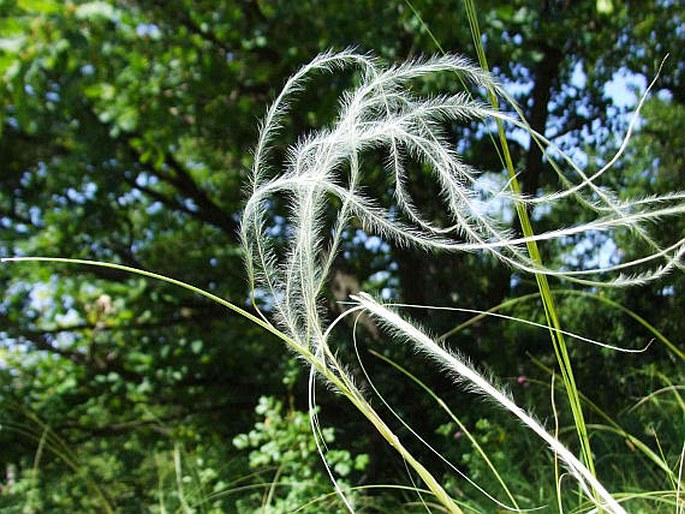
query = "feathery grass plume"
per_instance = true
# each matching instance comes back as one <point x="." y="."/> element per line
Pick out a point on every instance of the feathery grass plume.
<point x="383" y="114"/>
<point x="463" y="371"/>
<point x="380" y="114"/>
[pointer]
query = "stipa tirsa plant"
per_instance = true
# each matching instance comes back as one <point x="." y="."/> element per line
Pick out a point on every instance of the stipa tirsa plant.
<point x="382" y="114"/>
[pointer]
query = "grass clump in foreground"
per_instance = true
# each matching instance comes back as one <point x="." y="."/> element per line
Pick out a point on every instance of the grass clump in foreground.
<point x="324" y="173"/>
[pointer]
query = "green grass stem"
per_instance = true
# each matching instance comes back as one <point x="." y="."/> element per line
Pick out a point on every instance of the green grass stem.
<point x="558" y="341"/>
<point x="441" y="403"/>
<point x="340" y="381"/>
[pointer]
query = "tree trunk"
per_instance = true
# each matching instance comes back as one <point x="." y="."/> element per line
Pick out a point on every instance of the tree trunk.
<point x="545" y="76"/>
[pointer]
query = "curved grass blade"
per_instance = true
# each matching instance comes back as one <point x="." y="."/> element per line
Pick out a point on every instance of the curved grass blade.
<point x="337" y="377"/>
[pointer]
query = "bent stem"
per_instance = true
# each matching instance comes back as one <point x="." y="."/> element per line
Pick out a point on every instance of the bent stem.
<point x="441" y="403"/>
<point x="333" y="374"/>
<point x="658" y="335"/>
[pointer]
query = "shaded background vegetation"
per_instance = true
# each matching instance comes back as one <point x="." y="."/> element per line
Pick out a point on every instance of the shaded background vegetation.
<point x="125" y="136"/>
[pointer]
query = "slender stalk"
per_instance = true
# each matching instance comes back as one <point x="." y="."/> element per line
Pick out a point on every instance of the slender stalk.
<point x="441" y="403"/>
<point x="453" y="364"/>
<point x="571" y="292"/>
<point x="344" y="385"/>
<point x="558" y="341"/>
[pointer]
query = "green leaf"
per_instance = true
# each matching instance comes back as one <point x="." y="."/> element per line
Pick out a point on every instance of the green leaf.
<point x="40" y="6"/>
<point x="605" y="6"/>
